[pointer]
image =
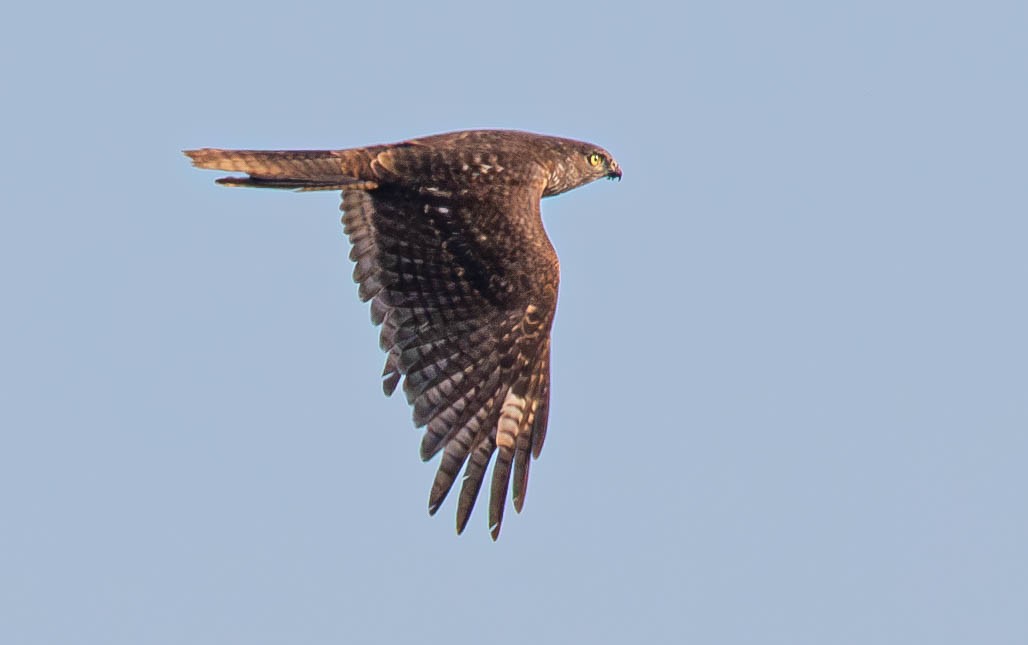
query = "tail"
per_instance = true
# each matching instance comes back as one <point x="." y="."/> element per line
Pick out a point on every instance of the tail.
<point x="290" y="169"/>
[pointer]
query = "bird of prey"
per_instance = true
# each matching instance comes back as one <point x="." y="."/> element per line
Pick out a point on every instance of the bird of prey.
<point x="450" y="250"/>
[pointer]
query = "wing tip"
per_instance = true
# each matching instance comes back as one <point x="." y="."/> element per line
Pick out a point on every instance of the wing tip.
<point x="462" y="522"/>
<point x="390" y="379"/>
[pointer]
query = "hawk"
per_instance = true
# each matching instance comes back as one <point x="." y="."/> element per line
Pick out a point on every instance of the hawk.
<point x="449" y="248"/>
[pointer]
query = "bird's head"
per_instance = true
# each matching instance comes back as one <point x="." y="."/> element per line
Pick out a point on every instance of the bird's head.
<point x="581" y="164"/>
<point x="604" y="163"/>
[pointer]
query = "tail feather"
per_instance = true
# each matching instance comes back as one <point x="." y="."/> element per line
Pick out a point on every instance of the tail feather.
<point x="289" y="169"/>
<point x="305" y="184"/>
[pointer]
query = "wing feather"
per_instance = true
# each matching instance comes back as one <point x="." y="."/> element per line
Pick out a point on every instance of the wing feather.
<point x="465" y="320"/>
<point x="534" y="423"/>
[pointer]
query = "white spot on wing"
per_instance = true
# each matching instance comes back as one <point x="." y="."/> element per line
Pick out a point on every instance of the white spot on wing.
<point x="511" y="415"/>
<point x="432" y="190"/>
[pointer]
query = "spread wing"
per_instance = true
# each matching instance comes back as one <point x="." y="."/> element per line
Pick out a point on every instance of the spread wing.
<point x="463" y="281"/>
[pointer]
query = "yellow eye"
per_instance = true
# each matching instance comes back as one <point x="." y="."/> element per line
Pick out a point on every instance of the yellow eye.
<point x="595" y="159"/>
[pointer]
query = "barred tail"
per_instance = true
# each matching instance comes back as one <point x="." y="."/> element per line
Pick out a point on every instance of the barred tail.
<point x="290" y="169"/>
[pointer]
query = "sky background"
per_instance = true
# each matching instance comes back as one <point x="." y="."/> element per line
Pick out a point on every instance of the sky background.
<point x="790" y="365"/>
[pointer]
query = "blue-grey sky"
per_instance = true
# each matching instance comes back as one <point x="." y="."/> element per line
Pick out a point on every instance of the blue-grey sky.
<point x="790" y="366"/>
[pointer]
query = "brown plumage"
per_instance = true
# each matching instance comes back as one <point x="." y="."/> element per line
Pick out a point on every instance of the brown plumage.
<point x="450" y="249"/>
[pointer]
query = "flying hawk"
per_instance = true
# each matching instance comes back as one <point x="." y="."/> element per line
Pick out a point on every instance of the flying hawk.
<point x="450" y="249"/>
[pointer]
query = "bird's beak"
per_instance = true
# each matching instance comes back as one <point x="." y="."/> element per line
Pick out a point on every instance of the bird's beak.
<point x="615" y="172"/>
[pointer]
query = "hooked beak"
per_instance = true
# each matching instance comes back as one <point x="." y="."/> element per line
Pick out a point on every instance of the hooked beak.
<point x="615" y="172"/>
